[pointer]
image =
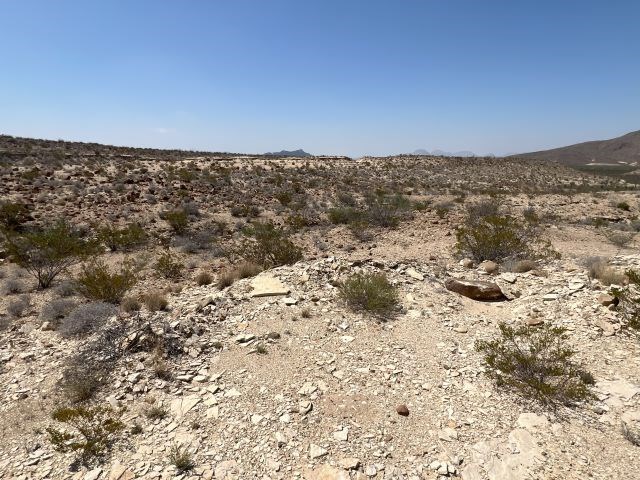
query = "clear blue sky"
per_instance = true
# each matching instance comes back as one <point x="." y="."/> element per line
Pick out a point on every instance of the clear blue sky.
<point x="329" y="76"/>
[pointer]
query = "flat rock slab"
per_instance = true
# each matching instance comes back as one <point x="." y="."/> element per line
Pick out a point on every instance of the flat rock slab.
<point x="268" y="286"/>
<point x="476" y="289"/>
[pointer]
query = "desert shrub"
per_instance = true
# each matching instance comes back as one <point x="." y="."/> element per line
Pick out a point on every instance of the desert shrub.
<point x="86" y="371"/>
<point x="124" y="238"/>
<point x="56" y="309"/>
<point x="97" y="282"/>
<point x="535" y="362"/>
<point x="245" y="210"/>
<point x="16" y="307"/>
<point x="86" y="318"/>
<point x="13" y="216"/>
<point x="65" y="288"/>
<point x="155" y="301"/>
<point x="95" y="430"/>
<point x="168" y="266"/>
<point x="370" y="292"/>
<point x="225" y="280"/>
<point x="177" y="219"/>
<point x="619" y="238"/>
<point x="247" y="270"/>
<point x="499" y="238"/>
<point x="47" y="253"/>
<point x="181" y="459"/>
<point x="130" y="304"/>
<point x="12" y="286"/>
<point x="270" y="246"/>
<point x="629" y="300"/>
<point x="599" y="269"/>
<point x="204" y="278"/>
<point x="344" y="215"/>
<point x="443" y="208"/>
<point x="623" y="206"/>
<point x="284" y="197"/>
<point x="484" y="208"/>
<point x="156" y="412"/>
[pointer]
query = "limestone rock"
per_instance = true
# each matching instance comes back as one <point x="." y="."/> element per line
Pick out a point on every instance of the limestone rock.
<point x="476" y="289"/>
<point x="268" y="286"/>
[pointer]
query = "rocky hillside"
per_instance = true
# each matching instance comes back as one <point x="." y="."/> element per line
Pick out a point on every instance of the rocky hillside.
<point x="624" y="149"/>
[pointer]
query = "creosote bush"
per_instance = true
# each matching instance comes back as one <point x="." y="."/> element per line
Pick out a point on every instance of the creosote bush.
<point x="178" y="220"/>
<point x="48" y="252"/>
<point x="270" y="246"/>
<point x="95" y="430"/>
<point x="12" y="216"/>
<point x="536" y="362"/>
<point x="499" y="238"/>
<point x="97" y="282"/>
<point x="124" y="238"/>
<point x="370" y="292"/>
<point x="168" y="266"/>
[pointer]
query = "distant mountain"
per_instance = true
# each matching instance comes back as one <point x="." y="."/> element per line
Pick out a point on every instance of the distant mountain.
<point x="442" y="153"/>
<point x="624" y="149"/>
<point x="290" y="153"/>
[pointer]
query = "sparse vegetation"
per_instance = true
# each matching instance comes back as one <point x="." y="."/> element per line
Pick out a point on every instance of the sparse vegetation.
<point x="629" y="300"/>
<point x="270" y="246"/>
<point x="85" y="319"/>
<point x="97" y="282"/>
<point x="181" y="459"/>
<point x="95" y="429"/>
<point x="125" y="238"/>
<point x="168" y="265"/>
<point x="155" y="301"/>
<point x="536" y="363"/>
<point x="370" y="292"/>
<point x="204" y="278"/>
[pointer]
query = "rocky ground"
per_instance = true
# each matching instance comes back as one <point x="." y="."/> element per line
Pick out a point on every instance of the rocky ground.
<point x="278" y="379"/>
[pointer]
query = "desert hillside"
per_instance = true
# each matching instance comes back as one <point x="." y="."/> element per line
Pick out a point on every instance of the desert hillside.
<point x="195" y="315"/>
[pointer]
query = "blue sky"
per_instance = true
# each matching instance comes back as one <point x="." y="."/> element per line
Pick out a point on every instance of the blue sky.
<point x="335" y="77"/>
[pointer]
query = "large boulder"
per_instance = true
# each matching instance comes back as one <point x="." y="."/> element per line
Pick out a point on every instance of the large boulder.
<point x="476" y="289"/>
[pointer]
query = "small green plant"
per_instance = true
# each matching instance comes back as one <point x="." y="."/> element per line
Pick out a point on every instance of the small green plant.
<point x="623" y="206"/>
<point x="95" y="430"/>
<point x="370" y="292"/>
<point x="270" y="246"/>
<point x="345" y="215"/>
<point x="181" y="459"/>
<point x="168" y="266"/>
<point x="48" y="252"/>
<point x="124" y="238"/>
<point x="97" y="282"/>
<point x="536" y="362"/>
<point x="261" y="349"/>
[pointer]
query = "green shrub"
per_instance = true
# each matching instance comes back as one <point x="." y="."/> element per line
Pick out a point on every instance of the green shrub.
<point x="344" y="215"/>
<point x="121" y="238"/>
<point x="177" y="219"/>
<point x="270" y="246"/>
<point x="623" y="206"/>
<point x="47" y="253"/>
<point x="98" y="282"/>
<point x="95" y="430"/>
<point x="168" y="266"/>
<point x="13" y="216"/>
<point x="370" y="292"/>
<point x="498" y="238"/>
<point x="535" y="362"/>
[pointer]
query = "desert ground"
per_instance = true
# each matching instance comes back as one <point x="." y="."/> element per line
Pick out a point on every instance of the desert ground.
<point x="192" y="347"/>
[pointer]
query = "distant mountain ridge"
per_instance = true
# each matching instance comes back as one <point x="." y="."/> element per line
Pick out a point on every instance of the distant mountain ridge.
<point x="290" y="153"/>
<point x="442" y="153"/>
<point x="624" y="149"/>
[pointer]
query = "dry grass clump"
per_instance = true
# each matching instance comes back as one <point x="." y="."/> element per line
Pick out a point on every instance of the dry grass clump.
<point x="599" y="269"/>
<point x="12" y="286"/>
<point x="519" y="266"/>
<point x="18" y="306"/>
<point x="204" y="278"/>
<point x="247" y="270"/>
<point x="225" y="280"/>
<point x="56" y="309"/>
<point x="536" y="363"/>
<point x="155" y="301"/>
<point x="130" y="304"/>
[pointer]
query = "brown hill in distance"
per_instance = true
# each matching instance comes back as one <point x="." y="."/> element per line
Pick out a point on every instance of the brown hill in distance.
<point x="624" y="149"/>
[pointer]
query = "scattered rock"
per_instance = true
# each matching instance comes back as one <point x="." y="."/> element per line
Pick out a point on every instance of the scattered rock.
<point x="402" y="410"/>
<point x="476" y="289"/>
